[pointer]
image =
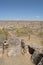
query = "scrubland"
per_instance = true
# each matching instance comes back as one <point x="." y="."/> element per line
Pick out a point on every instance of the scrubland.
<point x="32" y="35"/>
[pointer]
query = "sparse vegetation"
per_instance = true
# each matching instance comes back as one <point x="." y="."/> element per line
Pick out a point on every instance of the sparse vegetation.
<point x="41" y="42"/>
<point x="40" y="34"/>
<point x="30" y="33"/>
<point x="23" y="31"/>
<point x="4" y="33"/>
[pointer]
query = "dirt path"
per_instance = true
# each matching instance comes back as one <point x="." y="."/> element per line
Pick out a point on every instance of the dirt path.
<point x="16" y="60"/>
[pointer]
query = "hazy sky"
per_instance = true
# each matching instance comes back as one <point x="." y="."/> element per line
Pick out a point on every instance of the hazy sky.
<point x="21" y="9"/>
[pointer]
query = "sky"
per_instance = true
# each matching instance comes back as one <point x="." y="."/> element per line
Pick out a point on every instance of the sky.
<point x="21" y="9"/>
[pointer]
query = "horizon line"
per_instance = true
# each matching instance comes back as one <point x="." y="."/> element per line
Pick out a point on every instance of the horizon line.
<point x="21" y="20"/>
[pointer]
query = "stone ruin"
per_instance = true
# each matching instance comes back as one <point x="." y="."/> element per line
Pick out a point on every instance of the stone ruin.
<point x="36" y="55"/>
<point x="15" y="49"/>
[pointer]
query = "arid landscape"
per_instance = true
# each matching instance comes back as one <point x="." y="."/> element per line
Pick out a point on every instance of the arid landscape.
<point x="13" y="31"/>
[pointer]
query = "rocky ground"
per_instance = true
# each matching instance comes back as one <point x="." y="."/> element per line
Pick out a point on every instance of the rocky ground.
<point x="15" y="57"/>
